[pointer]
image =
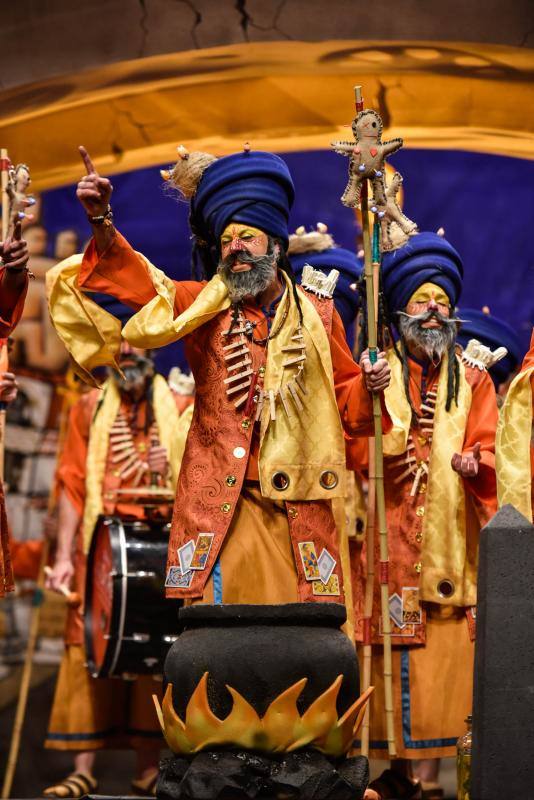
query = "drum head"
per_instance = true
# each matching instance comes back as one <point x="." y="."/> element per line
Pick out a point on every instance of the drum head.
<point x="99" y="600"/>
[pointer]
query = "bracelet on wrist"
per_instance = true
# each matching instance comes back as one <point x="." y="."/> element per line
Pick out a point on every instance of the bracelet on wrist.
<point x="101" y="219"/>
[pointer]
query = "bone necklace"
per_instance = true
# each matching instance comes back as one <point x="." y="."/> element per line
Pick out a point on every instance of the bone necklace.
<point x="414" y="466"/>
<point x="243" y="382"/>
<point x="124" y="453"/>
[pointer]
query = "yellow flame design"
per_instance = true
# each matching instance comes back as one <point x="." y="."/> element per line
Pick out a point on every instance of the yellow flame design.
<point x="281" y="730"/>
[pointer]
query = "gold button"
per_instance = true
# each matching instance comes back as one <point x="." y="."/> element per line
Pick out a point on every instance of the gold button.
<point x="422" y="488"/>
<point x="293" y="513"/>
<point x="225" y="508"/>
<point x="421" y="439"/>
<point x="261" y="372"/>
<point x="117" y="473"/>
<point x="110" y="495"/>
<point x="420" y="511"/>
<point x="141" y="447"/>
<point x="419" y="537"/>
<point x="418" y="566"/>
<point x="245" y="423"/>
<point x="231" y="480"/>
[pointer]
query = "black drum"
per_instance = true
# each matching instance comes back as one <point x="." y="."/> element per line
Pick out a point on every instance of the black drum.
<point x="129" y="625"/>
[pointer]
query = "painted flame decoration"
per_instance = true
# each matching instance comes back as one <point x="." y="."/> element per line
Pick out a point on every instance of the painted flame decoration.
<point x="281" y="730"/>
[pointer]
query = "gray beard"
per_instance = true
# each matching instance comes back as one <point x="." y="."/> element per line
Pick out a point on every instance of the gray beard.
<point x="253" y="282"/>
<point x="433" y="341"/>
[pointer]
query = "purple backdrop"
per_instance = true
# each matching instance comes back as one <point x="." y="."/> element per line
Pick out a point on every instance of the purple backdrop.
<point x="485" y="203"/>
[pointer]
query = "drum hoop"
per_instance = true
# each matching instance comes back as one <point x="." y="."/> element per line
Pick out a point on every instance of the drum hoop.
<point x="124" y="593"/>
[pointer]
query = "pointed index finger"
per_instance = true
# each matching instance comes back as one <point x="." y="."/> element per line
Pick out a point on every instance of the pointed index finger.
<point x="86" y="158"/>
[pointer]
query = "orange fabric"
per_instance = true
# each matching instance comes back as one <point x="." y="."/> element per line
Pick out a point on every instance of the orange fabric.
<point x="527" y="363"/>
<point x="11" y="308"/>
<point x="95" y="713"/>
<point x="405" y="513"/>
<point x="432" y="690"/>
<point x="26" y="558"/>
<point x="11" y="303"/>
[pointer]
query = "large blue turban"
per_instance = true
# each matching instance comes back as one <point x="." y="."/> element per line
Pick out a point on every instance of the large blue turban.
<point x="425" y="258"/>
<point x="350" y="269"/>
<point x="254" y="188"/>
<point x="493" y="332"/>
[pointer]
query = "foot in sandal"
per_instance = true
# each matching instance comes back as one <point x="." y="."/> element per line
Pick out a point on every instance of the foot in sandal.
<point x="75" y="785"/>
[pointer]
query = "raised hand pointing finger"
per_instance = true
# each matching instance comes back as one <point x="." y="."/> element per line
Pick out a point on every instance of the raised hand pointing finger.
<point x="86" y="158"/>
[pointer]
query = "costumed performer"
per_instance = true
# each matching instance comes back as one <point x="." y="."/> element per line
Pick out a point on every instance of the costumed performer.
<point x="112" y="442"/>
<point x="440" y="490"/>
<point x="13" y="289"/>
<point x="501" y="350"/>
<point x="515" y="443"/>
<point x="275" y="382"/>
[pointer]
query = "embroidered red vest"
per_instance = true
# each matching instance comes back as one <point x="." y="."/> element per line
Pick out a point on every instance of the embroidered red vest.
<point x="215" y="461"/>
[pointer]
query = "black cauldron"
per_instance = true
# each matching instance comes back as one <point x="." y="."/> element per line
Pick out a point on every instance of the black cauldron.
<point x="260" y="651"/>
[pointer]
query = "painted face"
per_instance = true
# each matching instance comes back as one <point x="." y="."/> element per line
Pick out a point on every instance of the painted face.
<point x="429" y="297"/>
<point x="237" y="237"/>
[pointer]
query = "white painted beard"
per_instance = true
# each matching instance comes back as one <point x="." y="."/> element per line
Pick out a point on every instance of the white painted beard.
<point x="433" y="341"/>
<point x="252" y="282"/>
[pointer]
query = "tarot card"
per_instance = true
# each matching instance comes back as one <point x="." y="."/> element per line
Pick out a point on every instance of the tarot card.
<point x="330" y="588"/>
<point x="202" y="550"/>
<point x="185" y="555"/>
<point x="395" y="609"/>
<point x="411" y="607"/>
<point x="326" y="564"/>
<point x="396" y="630"/>
<point x="308" y="557"/>
<point x="176" y="579"/>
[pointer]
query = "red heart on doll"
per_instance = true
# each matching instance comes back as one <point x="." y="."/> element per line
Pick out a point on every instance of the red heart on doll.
<point x="373" y="151"/>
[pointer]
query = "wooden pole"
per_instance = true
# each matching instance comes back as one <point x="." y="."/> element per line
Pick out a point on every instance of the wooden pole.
<point x="4" y="180"/>
<point x="371" y="265"/>
<point x="25" y="680"/>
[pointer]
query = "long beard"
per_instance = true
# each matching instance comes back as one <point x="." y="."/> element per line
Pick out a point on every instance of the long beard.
<point x="138" y="373"/>
<point x="433" y="341"/>
<point x="253" y="282"/>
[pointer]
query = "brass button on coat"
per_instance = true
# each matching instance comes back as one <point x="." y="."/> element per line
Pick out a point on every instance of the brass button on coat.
<point x="293" y="513"/>
<point x="419" y="537"/>
<point x="420" y="511"/>
<point x="231" y="480"/>
<point x="245" y="424"/>
<point x="417" y="567"/>
<point x="225" y="508"/>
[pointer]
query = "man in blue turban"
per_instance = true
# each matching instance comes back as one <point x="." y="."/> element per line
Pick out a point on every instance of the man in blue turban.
<point x="504" y="349"/>
<point x="318" y="250"/>
<point x="439" y="475"/>
<point x="275" y="381"/>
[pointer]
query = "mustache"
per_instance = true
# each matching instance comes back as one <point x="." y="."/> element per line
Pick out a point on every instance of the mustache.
<point x="426" y="316"/>
<point x="135" y="372"/>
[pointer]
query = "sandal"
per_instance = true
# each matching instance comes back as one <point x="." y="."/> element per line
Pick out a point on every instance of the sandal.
<point x="146" y="787"/>
<point x="431" y="791"/>
<point x="76" y="785"/>
<point x="392" y="785"/>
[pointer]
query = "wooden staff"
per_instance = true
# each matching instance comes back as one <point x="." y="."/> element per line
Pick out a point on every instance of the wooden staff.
<point x="371" y="265"/>
<point x="4" y="365"/>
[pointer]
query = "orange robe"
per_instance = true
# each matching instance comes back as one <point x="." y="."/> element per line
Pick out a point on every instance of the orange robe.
<point x="11" y="308"/>
<point x="88" y="713"/>
<point x="432" y="659"/>
<point x="263" y="567"/>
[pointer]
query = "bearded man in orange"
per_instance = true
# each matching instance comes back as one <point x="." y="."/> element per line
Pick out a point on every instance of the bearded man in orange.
<point x="13" y="289"/>
<point x="275" y="383"/>
<point x="439" y="476"/>
<point x="118" y="438"/>
<point x="515" y="442"/>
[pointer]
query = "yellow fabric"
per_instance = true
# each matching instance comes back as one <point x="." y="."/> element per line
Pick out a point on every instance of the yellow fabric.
<point x="512" y="446"/>
<point x="444" y="523"/>
<point x="172" y="435"/>
<point x="302" y="447"/>
<point x="91" y="335"/>
<point x="427" y="291"/>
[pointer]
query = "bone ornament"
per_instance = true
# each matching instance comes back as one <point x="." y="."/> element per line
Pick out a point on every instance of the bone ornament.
<point x="479" y="356"/>
<point x="367" y="155"/>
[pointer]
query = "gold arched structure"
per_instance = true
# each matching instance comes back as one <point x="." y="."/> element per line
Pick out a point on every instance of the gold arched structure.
<point x="278" y="95"/>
